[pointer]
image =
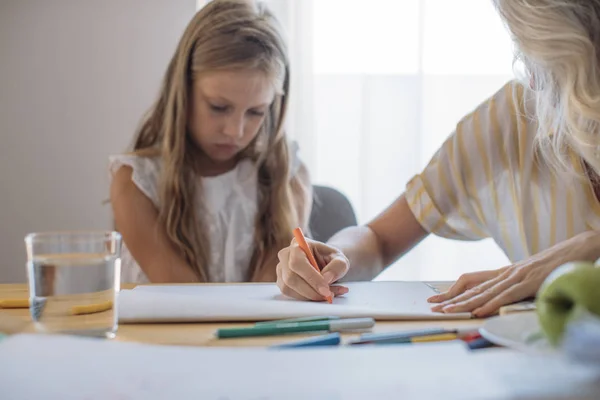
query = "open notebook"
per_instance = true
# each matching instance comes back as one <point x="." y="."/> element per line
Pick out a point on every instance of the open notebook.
<point x="256" y="302"/>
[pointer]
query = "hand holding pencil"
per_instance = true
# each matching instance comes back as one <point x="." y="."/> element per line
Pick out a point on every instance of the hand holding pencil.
<point x="307" y="269"/>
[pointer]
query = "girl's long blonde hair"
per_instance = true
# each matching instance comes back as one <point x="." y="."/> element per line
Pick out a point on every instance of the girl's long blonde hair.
<point x="559" y="42"/>
<point x="225" y="34"/>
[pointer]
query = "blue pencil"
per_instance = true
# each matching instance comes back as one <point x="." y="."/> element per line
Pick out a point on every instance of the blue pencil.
<point x="331" y="339"/>
<point x="481" y="343"/>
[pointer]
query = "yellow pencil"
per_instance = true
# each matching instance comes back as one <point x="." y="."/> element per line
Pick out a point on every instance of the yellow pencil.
<point x="75" y="310"/>
<point x="92" y="308"/>
<point x="434" y="338"/>
<point x="14" y="303"/>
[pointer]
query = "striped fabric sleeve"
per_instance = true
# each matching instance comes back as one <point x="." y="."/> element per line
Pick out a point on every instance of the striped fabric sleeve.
<point x="456" y="195"/>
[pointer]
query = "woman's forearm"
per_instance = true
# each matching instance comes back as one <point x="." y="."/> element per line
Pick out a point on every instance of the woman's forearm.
<point x="373" y="247"/>
<point x="582" y="247"/>
<point x="361" y="246"/>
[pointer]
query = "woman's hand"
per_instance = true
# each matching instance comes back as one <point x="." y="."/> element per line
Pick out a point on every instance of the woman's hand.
<point x="298" y="279"/>
<point x="464" y="283"/>
<point x="483" y="293"/>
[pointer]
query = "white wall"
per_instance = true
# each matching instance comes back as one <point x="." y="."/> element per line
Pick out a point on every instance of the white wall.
<point x="75" y="78"/>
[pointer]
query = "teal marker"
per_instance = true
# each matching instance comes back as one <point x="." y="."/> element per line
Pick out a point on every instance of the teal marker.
<point x="297" y="327"/>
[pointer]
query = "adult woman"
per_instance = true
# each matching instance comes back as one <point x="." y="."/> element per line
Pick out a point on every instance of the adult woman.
<point x="522" y="169"/>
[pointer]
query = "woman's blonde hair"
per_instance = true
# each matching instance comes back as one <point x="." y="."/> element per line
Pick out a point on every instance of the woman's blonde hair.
<point x="225" y="34"/>
<point x="558" y="42"/>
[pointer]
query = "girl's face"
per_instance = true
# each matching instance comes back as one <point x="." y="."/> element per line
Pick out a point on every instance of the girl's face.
<point x="227" y="109"/>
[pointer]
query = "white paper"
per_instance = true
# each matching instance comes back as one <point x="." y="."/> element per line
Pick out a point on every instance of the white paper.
<point x="61" y="367"/>
<point x="255" y="302"/>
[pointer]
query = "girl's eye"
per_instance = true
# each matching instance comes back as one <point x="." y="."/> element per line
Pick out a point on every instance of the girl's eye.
<point x="218" y="108"/>
<point x="257" y="113"/>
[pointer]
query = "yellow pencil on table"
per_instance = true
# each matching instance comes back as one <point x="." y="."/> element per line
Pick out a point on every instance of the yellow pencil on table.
<point x="518" y="307"/>
<point x="92" y="308"/>
<point x="75" y="310"/>
<point x="14" y="303"/>
<point x="434" y="338"/>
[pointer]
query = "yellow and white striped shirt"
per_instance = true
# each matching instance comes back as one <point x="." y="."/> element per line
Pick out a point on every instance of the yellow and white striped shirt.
<point x="485" y="182"/>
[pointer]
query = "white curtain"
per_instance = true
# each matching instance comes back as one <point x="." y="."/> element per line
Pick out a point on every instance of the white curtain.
<point x="377" y="86"/>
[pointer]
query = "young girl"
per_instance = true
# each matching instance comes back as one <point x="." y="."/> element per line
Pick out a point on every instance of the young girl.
<point x="212" y="188"/>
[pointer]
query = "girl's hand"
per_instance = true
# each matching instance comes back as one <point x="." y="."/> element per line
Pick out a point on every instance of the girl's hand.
<point x="483" y="293"/>
<point x="298" y="279"/>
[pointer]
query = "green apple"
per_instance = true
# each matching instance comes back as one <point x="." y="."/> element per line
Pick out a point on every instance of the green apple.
<point x="570" y="289"/>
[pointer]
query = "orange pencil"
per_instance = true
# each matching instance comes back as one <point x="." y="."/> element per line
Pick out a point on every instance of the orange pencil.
<point x="306" y="249"/>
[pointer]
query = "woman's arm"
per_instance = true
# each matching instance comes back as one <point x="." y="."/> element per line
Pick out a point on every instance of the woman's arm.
<point x="448" y="198"/>
<point x="137" y="221"/>
<point x="371" y="248"/>
<point x="357" y="253"/>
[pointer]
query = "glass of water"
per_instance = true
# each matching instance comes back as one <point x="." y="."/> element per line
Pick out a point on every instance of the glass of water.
<point x="74" y="278"/>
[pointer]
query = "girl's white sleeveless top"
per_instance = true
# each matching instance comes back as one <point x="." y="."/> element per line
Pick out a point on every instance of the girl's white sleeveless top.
<point x="230" y="204"/>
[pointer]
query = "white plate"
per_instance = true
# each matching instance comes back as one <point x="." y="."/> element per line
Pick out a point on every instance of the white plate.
<point x="519" y="331"/>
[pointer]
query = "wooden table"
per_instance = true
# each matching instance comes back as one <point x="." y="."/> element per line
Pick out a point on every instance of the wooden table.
<point x="201" y="334"/>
